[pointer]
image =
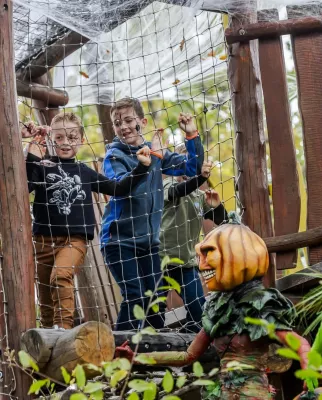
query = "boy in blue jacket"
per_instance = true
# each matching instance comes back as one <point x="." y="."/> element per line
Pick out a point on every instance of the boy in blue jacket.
<point x="131" y="225"/>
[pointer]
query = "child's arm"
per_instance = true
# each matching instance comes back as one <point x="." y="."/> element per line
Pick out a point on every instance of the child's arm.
<point x="214" y="209"/>
<point x="123" y="186"/>
<point x="182" y="189"/>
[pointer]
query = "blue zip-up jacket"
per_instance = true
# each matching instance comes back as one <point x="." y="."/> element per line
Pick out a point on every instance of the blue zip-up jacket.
<point x="134" y="221"/>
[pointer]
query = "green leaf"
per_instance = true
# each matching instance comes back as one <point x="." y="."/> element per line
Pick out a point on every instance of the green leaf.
<point x="315" y="360"/>
<point x="155" y="308"/>
<point x="93" y="368"/>
<point x="149" y="331"/>
<point x="174" y="284"/>
<point x="37" y="385"/>
<point x="139" y="385"/>
<point x="124" y="364"/>
<point x="197" y="369"/>
<point x="79" y="374"/>
<point x="288" y="353"/>
<point x="26" y="361"/>
<point x="170" y="398"/>
<point x="133" y="396"/>
<point x="78" y="396"/>
<point x="99" y="395"/>
<point x="65" y="374"/>
<point x="307" y="373"/>
<point x="144" y="359"/>
<point x="150" y="394"/>
<point x="165" y="261"/>
<point x="161" y="299"/>
<point x="292" y="341"/>
<point x="213" y="372"/>
<point x="320" y="397"/>
<point x="236" y="365"/>
<point x="137" y="338"/>
<point x="148" y="293"/>
<point x="180" y="381"/>
<point x="92" y="387"/>
<point x="168" y="381"/>
<point x="117" y="377"/>
<point x="255" y="321"/>
<point x="176" y="261"/>
<point x="138" y="312"/>
<point x="203" y="382"/>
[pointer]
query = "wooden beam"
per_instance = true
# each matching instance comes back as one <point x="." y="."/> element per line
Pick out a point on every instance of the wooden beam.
<point x="17" y="274"/>
<point x="247" y="105"/>
<point x="286" y="196"/>
<point x="49" y="95"/>
<point x="292" y="241"/>
<point x="266" y="30"/>
<point x="106" y="122"/>
<point x="54" y="52"/>
<point x="299" y="282"/>
<point x="307" y="53"/>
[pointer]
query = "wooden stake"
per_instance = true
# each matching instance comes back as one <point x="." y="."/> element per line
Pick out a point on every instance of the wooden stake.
<point x="17" y="275"/>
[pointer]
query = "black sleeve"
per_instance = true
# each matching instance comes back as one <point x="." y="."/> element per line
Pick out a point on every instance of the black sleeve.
<point x="184" y="188"/>
<point x="102" y="184"/>
<point x="32" y="171"/>
<point x="218" y="214"/>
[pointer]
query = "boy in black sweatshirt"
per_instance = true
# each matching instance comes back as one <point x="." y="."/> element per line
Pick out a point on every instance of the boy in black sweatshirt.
<point x="63" y="210"/>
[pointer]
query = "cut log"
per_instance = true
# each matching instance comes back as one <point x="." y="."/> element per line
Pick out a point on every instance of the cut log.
<point x="48" y="95"/>
<point x="89" y="343"/>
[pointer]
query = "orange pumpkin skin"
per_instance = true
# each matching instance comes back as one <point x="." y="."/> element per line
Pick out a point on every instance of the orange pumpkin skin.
<point x="230" y="255"/>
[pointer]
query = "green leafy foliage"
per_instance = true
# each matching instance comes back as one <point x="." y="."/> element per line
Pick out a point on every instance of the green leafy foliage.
<point x="78" y="396"/>
<point x="165" y="261"/>
<point x="137" y="338"/>
<point x="144" y="359"/>
<point x="66" y="375"/>
<point x="98" y="395"/>
<point x="138" y="312"/>
<point x="149" y="331"/>
<point x="180" y="381"/>
<point x="197" y="369"/>
<point x="37" y="385"/>
<point x="213" y="372"/>
<point x="151" y="392"/>
<point x="170" y="398"/>
<point x="92" y="387"/>
<point x="288" y="353"/>
<point x="315" y="359"/>
<point x="117" y="377"/>
<point x="174" y="284"/>
<point x="292" y="341"/>
<point x="203" y="382"/>
<point x="80" y="376"/>
<point x="139" y="385"/>
<point x="168" y="382"/>
<point x="307" y="373"/>
<point x="26" y="361"/>
<point x="133" y="396"/>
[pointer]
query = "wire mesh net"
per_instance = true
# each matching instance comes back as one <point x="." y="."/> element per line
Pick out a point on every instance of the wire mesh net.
<point x="99" y="254"/>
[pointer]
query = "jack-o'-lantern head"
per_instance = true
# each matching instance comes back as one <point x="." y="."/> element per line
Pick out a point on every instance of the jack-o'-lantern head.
<point x="230" y="255"/>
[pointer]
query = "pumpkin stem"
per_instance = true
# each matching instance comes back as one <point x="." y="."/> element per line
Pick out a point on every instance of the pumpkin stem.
<point x="234" y="218"/>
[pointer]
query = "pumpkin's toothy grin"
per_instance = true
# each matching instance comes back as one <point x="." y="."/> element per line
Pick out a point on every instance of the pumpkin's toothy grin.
<point x="208" y="274"/>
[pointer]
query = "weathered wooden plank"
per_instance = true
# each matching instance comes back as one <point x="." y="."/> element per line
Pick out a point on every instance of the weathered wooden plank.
<point x="32" y="90"/>
<point x="300" y="280"/>
<point x="275" y="29"/>
<point x="311" y="237"/>
<point x="286" y="196"/>
<point x="307" y="51"/>
<point x="244" y="77"/>
<point x="17" y="274"/>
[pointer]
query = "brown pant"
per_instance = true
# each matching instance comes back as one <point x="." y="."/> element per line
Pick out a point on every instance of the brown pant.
<point x="56" y="261"/>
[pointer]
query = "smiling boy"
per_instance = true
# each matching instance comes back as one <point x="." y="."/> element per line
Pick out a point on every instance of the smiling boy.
<point x="131" y="225"/>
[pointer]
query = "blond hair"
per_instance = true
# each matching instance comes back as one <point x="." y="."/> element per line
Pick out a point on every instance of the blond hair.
<point x="69" y="117"/>
<point x="127" y="102"/>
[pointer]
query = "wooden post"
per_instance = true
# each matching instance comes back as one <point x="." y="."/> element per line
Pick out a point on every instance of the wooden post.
<point x="17" y="273"/>
<point x="286" y="196"/>
<point x="244" y="77"/>
<point x="307" y="50"/>
<point x="106" y="122"/>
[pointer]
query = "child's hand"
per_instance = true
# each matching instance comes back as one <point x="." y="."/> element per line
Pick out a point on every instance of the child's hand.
<point x="206" y="169"/>
<point x="144" y="156"/>
<point x="31" y="130"/>
<point x="212" y="198"/>
<point x="157" y="145"/>
<point x="187" y="124"/>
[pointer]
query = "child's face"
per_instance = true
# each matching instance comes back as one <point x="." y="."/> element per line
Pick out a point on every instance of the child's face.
<point x="125" y="123"/>
<point x="66" y="139"/>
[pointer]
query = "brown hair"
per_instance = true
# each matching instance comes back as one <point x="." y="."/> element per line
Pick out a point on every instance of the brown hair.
<point x="127" y="102"/>
<point x="69" y="116"/>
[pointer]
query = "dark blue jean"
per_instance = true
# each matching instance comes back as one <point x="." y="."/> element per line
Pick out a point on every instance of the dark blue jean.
<point x="135" y="272"/>
<point x="191" y="294"/>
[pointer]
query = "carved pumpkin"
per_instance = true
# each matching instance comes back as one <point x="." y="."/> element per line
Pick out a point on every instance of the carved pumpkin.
<point x="230" y="255"/>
